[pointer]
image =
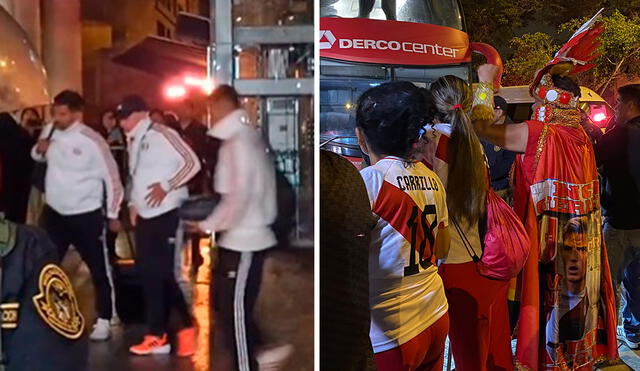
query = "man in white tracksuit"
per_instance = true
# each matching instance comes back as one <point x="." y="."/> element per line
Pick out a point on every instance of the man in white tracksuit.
<point x="160" y="165"/>
<point x="245" y="179"/>
<point x="80" y="169"/>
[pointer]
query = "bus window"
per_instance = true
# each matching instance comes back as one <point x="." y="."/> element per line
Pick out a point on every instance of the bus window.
<point x="342" y="84"/>
<point x="438" y="12"/>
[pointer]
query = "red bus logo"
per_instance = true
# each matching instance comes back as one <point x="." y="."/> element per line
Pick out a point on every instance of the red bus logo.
<point x="328" y="35"/>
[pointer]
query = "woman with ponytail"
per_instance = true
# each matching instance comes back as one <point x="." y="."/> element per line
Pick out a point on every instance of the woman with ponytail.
<point x="409" y="321"/>
<point x="479" y="330"/>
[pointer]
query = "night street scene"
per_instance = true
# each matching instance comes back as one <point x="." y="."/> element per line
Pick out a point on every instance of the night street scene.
<point x="489" y="155"/>
<point x="475" y="166"/>
<point x="156" y="194"/>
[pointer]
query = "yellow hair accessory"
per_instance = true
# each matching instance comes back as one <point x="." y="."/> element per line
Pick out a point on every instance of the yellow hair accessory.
<point x="561" y="69"/>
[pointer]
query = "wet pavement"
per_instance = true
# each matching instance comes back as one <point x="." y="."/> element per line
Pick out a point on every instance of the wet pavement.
<point x="284" y="315"/>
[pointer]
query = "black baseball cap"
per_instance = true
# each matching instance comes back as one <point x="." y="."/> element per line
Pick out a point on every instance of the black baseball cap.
<point x="129" y="105"/>
<point x="499" y="102"/>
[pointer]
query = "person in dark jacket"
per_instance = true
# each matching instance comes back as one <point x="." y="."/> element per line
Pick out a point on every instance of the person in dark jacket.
<point x="42" y="326"/>
<point x="194" y="133"/>
<point x="618" y="156"/>
<point x="500" y="160"/>
<point x="345" y="233"/>
<point x="17" y="165"/>
<point x="157" y="116"/>
<point x="31" y="121"/>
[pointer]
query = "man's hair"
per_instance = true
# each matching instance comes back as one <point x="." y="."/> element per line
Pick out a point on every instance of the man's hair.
<point x="630" y="93"/>
<point x="69" y="98"/>
<point x="575" y="226"/>
<point x="225" y="93"/>
<point x="30" y="109"/>
<point x="566" y="83"/>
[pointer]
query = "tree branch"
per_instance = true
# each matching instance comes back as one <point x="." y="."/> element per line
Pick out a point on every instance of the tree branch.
<point x="616" y="71"/>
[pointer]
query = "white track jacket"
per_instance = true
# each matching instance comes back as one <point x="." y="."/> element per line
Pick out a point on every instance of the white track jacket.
<point x="157" y="154"/>
<point x="80" y="168"/>
<point x="245" y="179"/>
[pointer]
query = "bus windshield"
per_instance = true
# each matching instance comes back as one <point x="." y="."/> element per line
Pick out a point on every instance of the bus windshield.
<point x="438" y="12"/>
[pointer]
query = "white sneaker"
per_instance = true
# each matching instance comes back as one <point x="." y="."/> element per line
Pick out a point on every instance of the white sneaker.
<point x="101" y="330"/>
<point x="632" y="340"/>
<point x="274" y="358"/>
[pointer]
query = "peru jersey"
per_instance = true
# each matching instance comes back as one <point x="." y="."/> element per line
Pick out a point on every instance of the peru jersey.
<point x="405" y="291"/>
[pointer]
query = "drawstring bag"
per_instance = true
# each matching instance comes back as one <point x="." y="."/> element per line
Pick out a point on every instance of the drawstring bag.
<point x="505" y="246"/>
<point x="506" y="243"/>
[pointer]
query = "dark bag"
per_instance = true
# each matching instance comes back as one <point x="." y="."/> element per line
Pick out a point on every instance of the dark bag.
<point x="40" y="169"/>
<point x="286" y="206"/>
<point x="198" y="208"/>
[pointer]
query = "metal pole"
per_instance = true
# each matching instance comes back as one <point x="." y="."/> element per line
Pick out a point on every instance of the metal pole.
<point x="210" y="74"/>
<point x="223" y="27"/>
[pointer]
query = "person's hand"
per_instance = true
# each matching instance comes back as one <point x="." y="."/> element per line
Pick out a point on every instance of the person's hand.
<point x="488" y="72"/>
<point x="114" y="225"/>
<point x="42" y="146"/>
<point x="156" y="195"/>
<point x="133" y="216"/>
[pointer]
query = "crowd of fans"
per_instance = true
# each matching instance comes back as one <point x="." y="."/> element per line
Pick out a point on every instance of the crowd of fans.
<point x="426" y="184"/>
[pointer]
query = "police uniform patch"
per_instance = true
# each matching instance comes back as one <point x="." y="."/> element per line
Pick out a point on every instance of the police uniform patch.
<point x="56" y="303"/>
<point x="9" y="315"/>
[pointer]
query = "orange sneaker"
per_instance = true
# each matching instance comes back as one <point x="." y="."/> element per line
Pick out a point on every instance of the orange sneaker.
<point x="152" y="345"/>
<point x="186" y="342"/>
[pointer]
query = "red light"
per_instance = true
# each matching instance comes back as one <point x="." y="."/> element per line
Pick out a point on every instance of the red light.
<point x="192" y="81"/>
<point x="205" y="84"/>
<point x="175" y="92"/>
<point x="599" y="117"/>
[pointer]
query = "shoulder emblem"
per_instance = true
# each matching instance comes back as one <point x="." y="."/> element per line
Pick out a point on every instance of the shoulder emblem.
<point x="56" y="303"/>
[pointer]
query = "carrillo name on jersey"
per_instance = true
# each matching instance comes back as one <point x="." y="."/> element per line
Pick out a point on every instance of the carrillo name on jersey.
<point x="417" y="183"/>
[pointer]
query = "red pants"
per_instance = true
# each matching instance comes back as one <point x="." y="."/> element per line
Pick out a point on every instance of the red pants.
<point x="479" y="330"/>
<point x="424" y="352"/>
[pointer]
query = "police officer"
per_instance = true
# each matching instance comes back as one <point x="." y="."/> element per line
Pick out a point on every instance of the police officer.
<point x="42" y="327"/>
<point x="79" y="170"/>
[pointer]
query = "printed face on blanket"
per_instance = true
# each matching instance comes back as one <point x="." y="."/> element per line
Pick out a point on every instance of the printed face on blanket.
<point x="567" y="306"/>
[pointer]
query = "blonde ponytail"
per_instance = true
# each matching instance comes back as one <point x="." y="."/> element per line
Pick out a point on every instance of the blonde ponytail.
<point x="466" y="180"/>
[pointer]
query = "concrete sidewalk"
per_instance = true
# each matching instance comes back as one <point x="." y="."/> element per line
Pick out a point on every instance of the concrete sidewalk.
<point x="284" y="314"/>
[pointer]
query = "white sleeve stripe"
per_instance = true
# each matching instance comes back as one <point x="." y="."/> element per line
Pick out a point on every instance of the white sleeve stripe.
<point x="184" y="152"/>
<point x="112" y="170"/>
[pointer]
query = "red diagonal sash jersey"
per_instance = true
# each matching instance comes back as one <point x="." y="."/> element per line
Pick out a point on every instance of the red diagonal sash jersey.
<point x="566" y="283"/>
<point x="406" y="292"/>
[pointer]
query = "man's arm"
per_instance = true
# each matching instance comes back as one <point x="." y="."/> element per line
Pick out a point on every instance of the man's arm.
<point x="236" y="202"/>
<point x="189" y="164"/>
<point x="39" y="150"/>
<point x="512" y="137"/>
<point x="109" y="173"/>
